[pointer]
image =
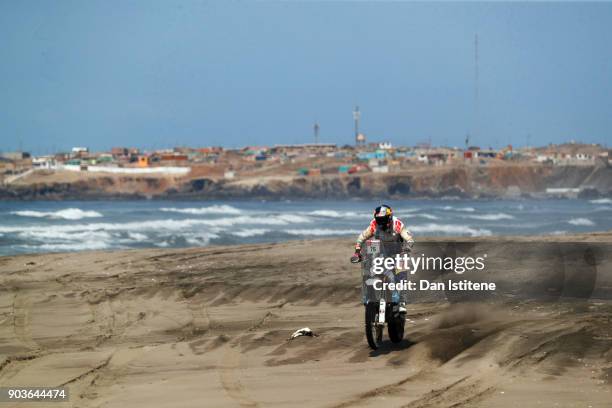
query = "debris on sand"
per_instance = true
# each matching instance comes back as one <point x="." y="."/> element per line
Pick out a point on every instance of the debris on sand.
<point x="306" y="331"/>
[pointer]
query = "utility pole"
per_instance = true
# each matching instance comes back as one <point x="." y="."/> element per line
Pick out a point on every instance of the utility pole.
<point x="356" y="118"/>
<point x="476" y="90"/>
<point x="528" y="140"/>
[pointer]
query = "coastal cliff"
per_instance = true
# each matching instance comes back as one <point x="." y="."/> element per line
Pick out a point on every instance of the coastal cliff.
<point x="458" y="181"/>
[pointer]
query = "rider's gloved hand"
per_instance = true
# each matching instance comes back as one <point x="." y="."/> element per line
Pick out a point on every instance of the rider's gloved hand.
<point x="357" y="255"/>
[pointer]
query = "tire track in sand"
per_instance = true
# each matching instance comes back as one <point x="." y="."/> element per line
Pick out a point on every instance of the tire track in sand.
<point x="230" y="381"/>
<point x="21" y="322"/>
<point x="230" y="363"/>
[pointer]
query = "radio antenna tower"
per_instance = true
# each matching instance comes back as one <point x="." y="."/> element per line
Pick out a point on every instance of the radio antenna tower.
<point x="476" y="90"/>
<point x="356" y="117"/>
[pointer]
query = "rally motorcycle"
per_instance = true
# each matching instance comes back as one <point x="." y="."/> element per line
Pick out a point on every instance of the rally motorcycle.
<point x="381" y="306"/>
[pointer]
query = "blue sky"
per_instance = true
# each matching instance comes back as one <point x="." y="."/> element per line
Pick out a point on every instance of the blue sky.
<point x="157" y="74"/>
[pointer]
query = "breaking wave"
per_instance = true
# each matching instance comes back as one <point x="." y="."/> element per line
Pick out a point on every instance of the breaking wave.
<point x="213" y="209"/>
<point x="53" y="234"/>
<point x="170" y="224"/>
<point x="74" y="226"/>
<point x="425" y="215"/>
<point x="601" y="201"/>
<point x="200" y="238"/>
<point x="71" y="246"/>
<point x="52" y="240"/>
<point x="137" y="236"/>
<point x="463" y="209"/>
<point x="335" y="214"/>
<point x="66" y="214"/>
<point x="318" y="232"/>
<point x="583" y="222"/>
<point x="287" y="219"/>
<point x="491" y="217"/>
<point x="407" y="210"/>
<point x="250" y="232"/>
<point x="450" y="229"/>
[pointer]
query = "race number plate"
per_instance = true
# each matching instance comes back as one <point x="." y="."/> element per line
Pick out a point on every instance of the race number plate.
<point x="373" y="247"/>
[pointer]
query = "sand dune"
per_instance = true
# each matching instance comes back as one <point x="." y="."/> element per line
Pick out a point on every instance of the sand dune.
<point x="210" y="327"/>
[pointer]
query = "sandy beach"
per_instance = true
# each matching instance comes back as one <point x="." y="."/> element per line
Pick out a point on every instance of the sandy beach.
<point x="210" y="327"/>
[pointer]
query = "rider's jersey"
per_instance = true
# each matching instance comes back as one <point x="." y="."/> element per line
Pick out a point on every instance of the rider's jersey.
<point x="399" y="233"/>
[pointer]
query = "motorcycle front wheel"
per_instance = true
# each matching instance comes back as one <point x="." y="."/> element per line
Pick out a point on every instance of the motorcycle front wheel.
<point x="374" y="331"/>
<point x="396" y="328"/>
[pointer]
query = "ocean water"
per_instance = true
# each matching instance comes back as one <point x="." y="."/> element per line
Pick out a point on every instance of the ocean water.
<point x="27" y="227"/>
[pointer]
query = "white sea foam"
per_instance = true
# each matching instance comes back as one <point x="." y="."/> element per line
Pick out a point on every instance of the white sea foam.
<point x="166" y="225"/>
<point x="52" y="234"/>
<point x="213" y="209"/>
<point x="198" y="232"/>
<point x="601" y="201"/>
<point x="289" y="219"/>
<point x="132" y="238"/>
<point x="450" y="229"/>
<point x="462" y="209"/>
<point x="335" y="214"/>
<point x="279" y="219"/>
<point x="406" y="210"/>
<point x="583" y="222"/>
<point x="137" y="236"/>
<point x="68" y="247"/>
<point x="250" y="232"/>
<point x="326" y="213"/>
<point x="321" y="232"/>
<point x="54" y="240"/>
<point x="491" y="217"/>
<point x="424" y="215"/>
<point x="200" y="238"/>
<point x="66" y="214"/>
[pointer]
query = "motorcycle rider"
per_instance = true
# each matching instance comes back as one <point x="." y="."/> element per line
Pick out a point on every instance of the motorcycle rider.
<point x="389" y="229"/>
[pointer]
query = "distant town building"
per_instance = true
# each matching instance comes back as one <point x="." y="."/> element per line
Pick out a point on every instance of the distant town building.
<point x="380" y="169"/>
<point x="143" y="161"/>
<point x="15" y="155"/>
<point x="43" y="162"/>
<point x="119" y="151"/>
<point x="305" y="148"/>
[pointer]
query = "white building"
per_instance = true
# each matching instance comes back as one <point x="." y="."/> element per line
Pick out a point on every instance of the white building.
<point x="380" y="169"/>
<point x="43" y="162"/>
<point x="77" y="150"/>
